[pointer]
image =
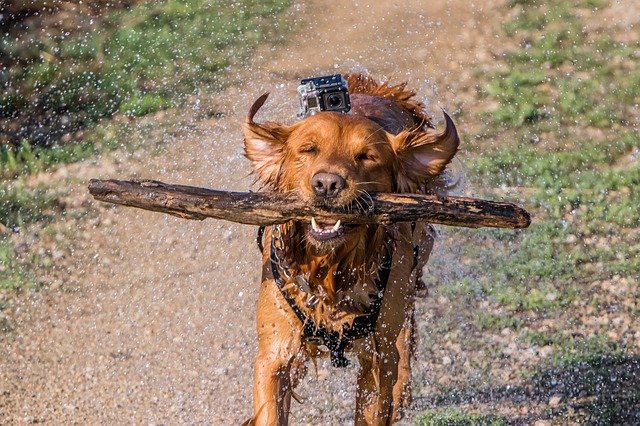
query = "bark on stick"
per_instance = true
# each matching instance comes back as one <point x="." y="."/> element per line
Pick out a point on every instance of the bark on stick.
<point x="262" y="208"/>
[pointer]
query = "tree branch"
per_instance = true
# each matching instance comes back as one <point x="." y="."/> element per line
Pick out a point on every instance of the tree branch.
<point x="261" y="208"/>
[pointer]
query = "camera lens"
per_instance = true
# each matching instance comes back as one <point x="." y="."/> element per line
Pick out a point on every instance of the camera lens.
<point x="334" y="101"/>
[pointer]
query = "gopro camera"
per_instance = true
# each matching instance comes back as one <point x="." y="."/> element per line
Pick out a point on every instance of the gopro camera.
<point x="328" y="93"/>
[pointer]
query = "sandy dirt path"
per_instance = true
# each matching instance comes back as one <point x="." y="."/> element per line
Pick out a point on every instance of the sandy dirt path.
<point x="154" y="322"/>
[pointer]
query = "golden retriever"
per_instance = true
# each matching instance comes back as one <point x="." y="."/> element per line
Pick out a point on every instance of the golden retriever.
<point x="329" y="286"/>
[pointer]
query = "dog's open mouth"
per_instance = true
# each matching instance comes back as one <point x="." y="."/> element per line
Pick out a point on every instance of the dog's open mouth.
<point x="324" y="231"/>
<point x="327" y="230"/>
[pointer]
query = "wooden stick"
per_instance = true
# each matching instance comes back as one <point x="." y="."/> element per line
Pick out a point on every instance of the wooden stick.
<point x="258" y="208"/>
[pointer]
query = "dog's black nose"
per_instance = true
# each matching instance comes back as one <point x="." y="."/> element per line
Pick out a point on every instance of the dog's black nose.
<point x="327" y="184"/>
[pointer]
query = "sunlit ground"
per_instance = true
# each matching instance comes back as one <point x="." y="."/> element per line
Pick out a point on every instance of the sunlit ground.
<point x="105" y="312"/>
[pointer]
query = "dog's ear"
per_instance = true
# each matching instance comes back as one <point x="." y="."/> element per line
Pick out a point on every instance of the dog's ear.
<point x="264" y="145"/>
<point x="423" y="155"/>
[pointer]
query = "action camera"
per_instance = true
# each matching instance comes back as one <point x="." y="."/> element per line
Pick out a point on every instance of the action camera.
<point x="328" y="93"/>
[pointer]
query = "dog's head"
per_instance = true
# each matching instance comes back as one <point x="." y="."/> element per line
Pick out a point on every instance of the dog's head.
<point x="335" y="159"/>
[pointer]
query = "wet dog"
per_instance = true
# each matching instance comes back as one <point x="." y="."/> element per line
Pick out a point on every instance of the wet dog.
<point x="329" y="286"/>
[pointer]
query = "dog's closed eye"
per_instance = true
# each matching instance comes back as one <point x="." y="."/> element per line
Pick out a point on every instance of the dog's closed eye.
<point x="309" y="149"/>
<point x="365" y="156"/>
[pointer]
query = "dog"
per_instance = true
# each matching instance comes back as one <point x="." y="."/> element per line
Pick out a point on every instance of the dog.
<point x="329" y="286"/>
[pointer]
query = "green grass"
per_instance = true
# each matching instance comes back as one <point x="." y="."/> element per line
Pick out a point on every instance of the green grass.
<point x="520" y="100"/>
<point x="557" y="140"/>
<point x="586" y="350"/>
<point x="580" y="190"/>
<point x="563" y="74"/>
<point x="29" y="159"/>
<point x="14" y="274"/>
<point x="456" y="417"/>
<point x="575" y="194"/>
<point x="132" y="61"/>
<point x="569" y="350"/>
<point x="540" y="338"/>
<point x="486" y="321"/>
<point x="529" y="166"/>
<point x="21" y="205"/>
<point x="19" y="266"/>
<point x="562" y="101"/>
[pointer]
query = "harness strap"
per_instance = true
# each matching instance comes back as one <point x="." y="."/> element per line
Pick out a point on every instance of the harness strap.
<point x="259" y="239"/>
<point x="361" y="327"/>
<point x="416" y="248"/>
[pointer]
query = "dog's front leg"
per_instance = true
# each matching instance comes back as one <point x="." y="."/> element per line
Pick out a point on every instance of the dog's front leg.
<point x="271" y="390"/>
<point x="278" y="344"/>
<point x="406" y="349"/>
<point x="376" y="378"/>
<point x="380" y="359"/>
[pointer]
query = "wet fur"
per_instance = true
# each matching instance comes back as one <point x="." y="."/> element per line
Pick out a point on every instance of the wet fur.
<point x="384" y="145"/>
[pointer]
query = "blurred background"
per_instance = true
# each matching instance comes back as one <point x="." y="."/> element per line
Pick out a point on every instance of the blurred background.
<point x="111" y="315"/>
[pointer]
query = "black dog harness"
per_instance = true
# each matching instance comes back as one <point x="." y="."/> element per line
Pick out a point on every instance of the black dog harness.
<point x="362" y="326"/>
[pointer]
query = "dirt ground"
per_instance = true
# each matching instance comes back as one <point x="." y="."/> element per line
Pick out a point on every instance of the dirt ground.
<point x="154" y="320"/>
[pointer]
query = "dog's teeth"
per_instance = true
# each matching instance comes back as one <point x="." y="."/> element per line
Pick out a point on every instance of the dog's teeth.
<point x="336" y="226"/>
<point x="314" y="224"/>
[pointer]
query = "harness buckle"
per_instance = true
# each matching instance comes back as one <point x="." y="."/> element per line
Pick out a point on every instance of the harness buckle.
<point x="303" y="283"/>
<point x="312" y="301"/>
